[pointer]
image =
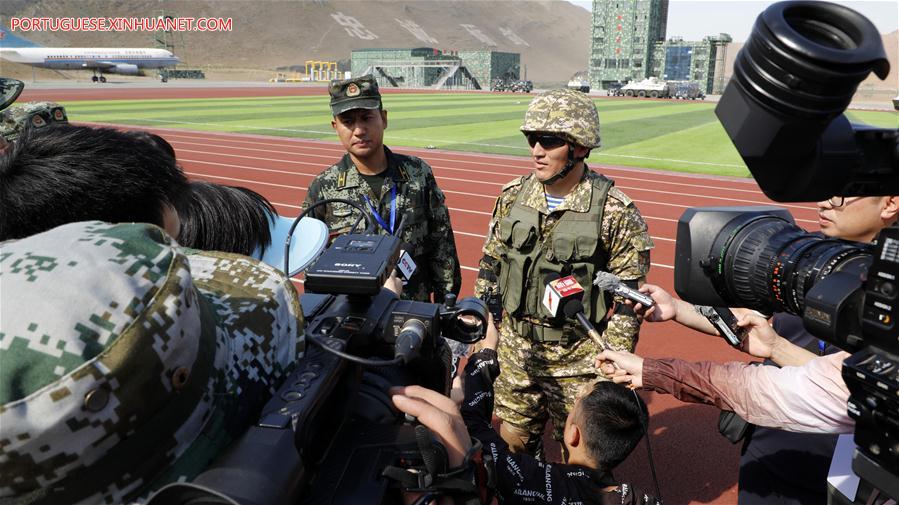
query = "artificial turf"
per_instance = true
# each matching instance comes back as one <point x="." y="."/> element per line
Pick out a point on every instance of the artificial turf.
<point x="670" y="135"/>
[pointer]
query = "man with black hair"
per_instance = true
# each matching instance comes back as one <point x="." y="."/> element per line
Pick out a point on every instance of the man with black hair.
<point x="398" y="191"/>
<point x="604" y="426"/>
<point x="231" y="219"/>
<point x="66" y="173"/>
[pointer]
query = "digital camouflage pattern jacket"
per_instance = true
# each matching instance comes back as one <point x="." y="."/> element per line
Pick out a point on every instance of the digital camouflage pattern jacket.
<point x="426" y="224"/>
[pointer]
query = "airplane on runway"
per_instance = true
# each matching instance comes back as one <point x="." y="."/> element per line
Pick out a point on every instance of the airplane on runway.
<point x="99" y="60"/>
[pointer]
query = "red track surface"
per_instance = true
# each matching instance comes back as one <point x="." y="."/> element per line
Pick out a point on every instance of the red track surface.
<point x="694" y="463"/>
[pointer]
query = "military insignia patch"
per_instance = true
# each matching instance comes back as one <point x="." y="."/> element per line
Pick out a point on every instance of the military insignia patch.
<point x="352" y="90"/>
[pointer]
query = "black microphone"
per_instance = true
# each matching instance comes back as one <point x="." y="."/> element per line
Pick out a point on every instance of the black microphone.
<point x="575" y="309"/>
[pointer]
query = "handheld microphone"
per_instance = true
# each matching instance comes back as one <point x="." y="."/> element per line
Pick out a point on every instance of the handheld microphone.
<point x="611" y="283"/>
<point x="559" y="291"/>
<point x="405" y="266"/>
<point x="575" y="309"/>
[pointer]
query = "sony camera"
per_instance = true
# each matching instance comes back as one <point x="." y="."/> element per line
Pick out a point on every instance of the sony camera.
<point x="331" y="434"/>
<point x="783" y="110"/>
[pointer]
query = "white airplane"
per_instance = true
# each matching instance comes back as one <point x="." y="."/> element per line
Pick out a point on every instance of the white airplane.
<point x="100" y="60"/>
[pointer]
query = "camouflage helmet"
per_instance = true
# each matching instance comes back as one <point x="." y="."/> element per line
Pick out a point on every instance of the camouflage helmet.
<point x="567" y="112"/>
<point x="32" y="114"/>
<point x="129" y="362"/>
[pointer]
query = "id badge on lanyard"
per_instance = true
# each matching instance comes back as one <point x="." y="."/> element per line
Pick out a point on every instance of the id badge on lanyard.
<point x="374" y="211"/>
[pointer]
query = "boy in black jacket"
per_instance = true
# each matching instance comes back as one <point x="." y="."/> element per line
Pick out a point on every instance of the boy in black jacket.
<point x="603" y="428"/>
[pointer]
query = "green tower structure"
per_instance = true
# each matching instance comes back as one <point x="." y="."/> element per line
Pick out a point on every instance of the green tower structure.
<point x="623" y="38"/>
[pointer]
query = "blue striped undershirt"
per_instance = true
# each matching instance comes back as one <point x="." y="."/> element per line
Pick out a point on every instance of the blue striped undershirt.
<point x="553" y="202"/>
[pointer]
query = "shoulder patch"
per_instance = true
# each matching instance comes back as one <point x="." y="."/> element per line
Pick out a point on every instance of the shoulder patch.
<point x="620" y="196"/>
<point x="514" y="182"/>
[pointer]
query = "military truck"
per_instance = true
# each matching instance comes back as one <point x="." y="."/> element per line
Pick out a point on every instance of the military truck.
<point x="686" y="90"/>
<point x="15" y="118"/>
<point x="652" y="87"/>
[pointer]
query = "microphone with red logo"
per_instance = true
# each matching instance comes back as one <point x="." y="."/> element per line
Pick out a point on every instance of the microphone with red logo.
<point x="559" y="291"/>
<point x="564" y="296"/>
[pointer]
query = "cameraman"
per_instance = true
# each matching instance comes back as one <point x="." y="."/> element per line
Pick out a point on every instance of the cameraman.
<point x="777" y="466"/>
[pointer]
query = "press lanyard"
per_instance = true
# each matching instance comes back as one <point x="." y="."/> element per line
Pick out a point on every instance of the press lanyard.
<point x="378" y="217"/>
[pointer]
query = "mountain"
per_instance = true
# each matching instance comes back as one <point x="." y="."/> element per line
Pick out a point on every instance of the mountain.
<point x="551" y="35"/>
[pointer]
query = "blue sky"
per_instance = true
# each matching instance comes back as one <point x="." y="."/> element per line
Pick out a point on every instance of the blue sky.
<point x="694" y="19"/>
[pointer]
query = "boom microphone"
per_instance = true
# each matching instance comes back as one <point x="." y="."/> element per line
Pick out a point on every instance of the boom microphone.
<point x="611" y="283"/>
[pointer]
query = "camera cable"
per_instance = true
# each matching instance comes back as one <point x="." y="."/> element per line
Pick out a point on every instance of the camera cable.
<point x="369" y="225"/>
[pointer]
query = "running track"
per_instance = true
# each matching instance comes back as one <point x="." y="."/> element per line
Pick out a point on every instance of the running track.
<point x="693" y="462"/>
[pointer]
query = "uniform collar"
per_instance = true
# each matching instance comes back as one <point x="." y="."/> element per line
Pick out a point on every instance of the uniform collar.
<point x="578" y="200"/>
<point x="348" y="176"/>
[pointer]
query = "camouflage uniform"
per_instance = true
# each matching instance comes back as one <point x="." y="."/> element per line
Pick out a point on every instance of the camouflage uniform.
<point x="546" y="362"/>
<point x="14" y="120"/>
<point x="419" y="201"/>
<point x="127" y="362"/>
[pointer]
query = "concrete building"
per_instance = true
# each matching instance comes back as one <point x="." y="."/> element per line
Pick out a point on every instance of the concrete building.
<point x="628" y="43"/>
<point x="623" y="34"/>
<point x="703" y="61"/>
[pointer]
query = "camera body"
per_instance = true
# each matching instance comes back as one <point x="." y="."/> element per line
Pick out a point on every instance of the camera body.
<point x="783" y="110"/>
<point x="331" y="430"/>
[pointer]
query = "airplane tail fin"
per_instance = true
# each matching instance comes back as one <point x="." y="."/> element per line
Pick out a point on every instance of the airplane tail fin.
<point x="8" y="39"/>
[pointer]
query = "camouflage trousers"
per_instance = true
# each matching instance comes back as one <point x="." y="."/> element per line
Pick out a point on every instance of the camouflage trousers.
<point x="540" y="381"/>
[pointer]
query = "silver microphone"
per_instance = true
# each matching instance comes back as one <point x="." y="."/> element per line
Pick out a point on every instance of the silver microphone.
<point x="611" y="283"/>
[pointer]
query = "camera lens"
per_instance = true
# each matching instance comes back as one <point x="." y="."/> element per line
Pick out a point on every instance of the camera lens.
<point x="806" y="59"/>
<point x="769" y="264"/>
<point x="469" y="323"/>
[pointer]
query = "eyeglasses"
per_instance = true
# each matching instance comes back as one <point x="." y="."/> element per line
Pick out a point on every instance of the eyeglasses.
<point x="546" y="141"/>
<point x="839" y="201"/>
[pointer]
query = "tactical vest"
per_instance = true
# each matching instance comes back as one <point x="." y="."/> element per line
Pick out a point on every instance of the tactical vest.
<point x="572" y="247"/>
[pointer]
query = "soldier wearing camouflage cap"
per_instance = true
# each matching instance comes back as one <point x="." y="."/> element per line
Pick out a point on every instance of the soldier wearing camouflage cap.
<point x="398" y="191"/>
<point x="562" y="219"/>
<point x="15" y="119"/>
<point x="127" y="362"/>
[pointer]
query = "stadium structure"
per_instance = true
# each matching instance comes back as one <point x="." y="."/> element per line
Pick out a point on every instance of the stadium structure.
<point x="427" y="67"/>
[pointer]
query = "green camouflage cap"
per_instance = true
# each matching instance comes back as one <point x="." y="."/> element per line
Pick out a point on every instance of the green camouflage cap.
<point x="34" y="114"/>
<point x="359" y="93"/>
<point x="127" y="362"/>
<point x="567" y="112"/>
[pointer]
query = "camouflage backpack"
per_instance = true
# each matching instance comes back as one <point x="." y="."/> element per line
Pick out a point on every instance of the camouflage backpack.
<point x="566" y="112"/>
<point x="127" y="363"/>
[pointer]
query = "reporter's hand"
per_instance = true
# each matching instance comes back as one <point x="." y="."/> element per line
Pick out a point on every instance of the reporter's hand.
<point x="761" y="339"/>
<point x="491" y="338"/>
<point x="629" y="369"/>
<point x="394" y="283"/>
<point x="439" y="414"/>
<point x="665" y="308"/>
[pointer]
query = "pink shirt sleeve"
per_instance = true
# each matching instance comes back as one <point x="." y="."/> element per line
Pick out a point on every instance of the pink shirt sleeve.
<point x="810" y="399"/>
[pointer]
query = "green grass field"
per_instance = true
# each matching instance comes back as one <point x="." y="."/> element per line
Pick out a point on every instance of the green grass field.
<point x="670" y="135"/>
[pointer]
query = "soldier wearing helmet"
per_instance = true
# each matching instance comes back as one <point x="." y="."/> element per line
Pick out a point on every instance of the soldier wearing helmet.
<point x="562" y="219"/>
<point x="14" y="119"/>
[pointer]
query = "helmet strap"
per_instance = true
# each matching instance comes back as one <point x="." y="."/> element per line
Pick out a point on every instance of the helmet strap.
<point x="569" y="166"/>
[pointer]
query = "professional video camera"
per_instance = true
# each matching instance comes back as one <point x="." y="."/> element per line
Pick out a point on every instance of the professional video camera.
<point x="783" y="110"/>
<point x="331" y="434"/>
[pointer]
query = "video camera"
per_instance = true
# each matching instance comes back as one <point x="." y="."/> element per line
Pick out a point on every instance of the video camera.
<point x="331" y="434"/>
<point x="783" y="110"/>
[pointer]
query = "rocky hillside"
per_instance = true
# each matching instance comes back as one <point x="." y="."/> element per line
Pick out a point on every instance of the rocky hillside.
<point x="872" y="85"/>
<point x="551" y="35"/>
